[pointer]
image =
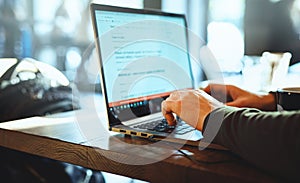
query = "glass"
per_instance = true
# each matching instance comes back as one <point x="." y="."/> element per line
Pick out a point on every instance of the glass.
<point x="267" y="72"/>
<point x="277" y="65"/>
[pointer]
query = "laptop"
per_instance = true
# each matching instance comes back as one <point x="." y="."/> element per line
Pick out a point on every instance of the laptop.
<point x="143" y="56"/>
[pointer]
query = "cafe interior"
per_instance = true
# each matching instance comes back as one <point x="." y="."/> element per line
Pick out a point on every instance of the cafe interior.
<point x="239" y="33"/>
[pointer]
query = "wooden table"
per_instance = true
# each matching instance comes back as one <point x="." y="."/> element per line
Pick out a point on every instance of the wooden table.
<point x="81" y="138"/>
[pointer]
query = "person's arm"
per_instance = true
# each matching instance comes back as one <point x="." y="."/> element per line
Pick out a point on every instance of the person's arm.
<point x="194" y="105"/>
<point x="269" y="140"/>
<point x="238" y="97"/>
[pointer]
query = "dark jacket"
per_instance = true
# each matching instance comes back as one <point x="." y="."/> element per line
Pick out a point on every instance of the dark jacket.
<point x="269" y="140"/>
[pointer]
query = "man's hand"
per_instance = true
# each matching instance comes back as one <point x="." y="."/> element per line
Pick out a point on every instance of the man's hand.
<point x="192" y="106"/>
<point x="238" y="97"/>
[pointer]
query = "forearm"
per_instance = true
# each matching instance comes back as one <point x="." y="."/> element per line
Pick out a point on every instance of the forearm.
<point x="269" y="140"/>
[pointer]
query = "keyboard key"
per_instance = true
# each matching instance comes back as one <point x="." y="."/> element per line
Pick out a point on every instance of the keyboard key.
<point x="162" y="126"/>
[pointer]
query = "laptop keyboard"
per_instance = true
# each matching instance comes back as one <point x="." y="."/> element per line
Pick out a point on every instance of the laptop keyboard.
<point x="162" y="126"/>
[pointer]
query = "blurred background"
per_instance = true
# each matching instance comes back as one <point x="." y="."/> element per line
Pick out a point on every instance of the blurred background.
<point x="59" y="31"/>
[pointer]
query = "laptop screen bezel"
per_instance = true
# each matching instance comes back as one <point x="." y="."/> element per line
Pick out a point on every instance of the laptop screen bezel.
<point x="96" y="7"/>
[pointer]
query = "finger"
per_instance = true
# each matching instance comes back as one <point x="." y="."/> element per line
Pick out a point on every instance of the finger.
<point x="175" y="96"/>
<point x="215" y="88"/>
<point x="207" y="89"/>
<point x="167" y="111"/>
<point x="234" y="104"/>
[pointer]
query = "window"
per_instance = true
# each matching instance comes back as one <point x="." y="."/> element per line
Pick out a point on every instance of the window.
<point x="225" y="33"/>
<point x="56" y="32"/>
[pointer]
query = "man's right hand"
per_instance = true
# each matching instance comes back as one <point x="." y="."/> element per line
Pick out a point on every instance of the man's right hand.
<point x="192" y="106"/>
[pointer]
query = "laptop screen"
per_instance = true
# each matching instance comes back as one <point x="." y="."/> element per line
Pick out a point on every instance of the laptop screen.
<point x="144" y="57"/>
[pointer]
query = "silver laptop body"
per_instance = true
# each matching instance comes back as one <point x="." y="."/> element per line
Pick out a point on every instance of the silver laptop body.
<point x="143" y="56"/>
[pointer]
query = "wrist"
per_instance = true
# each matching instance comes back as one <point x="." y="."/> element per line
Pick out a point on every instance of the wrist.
<point x="212" y="115"/>
<point x="270" y="103"/>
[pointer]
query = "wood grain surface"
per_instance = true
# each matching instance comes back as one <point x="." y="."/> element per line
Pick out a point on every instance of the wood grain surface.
<point x="63" y="139"/>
